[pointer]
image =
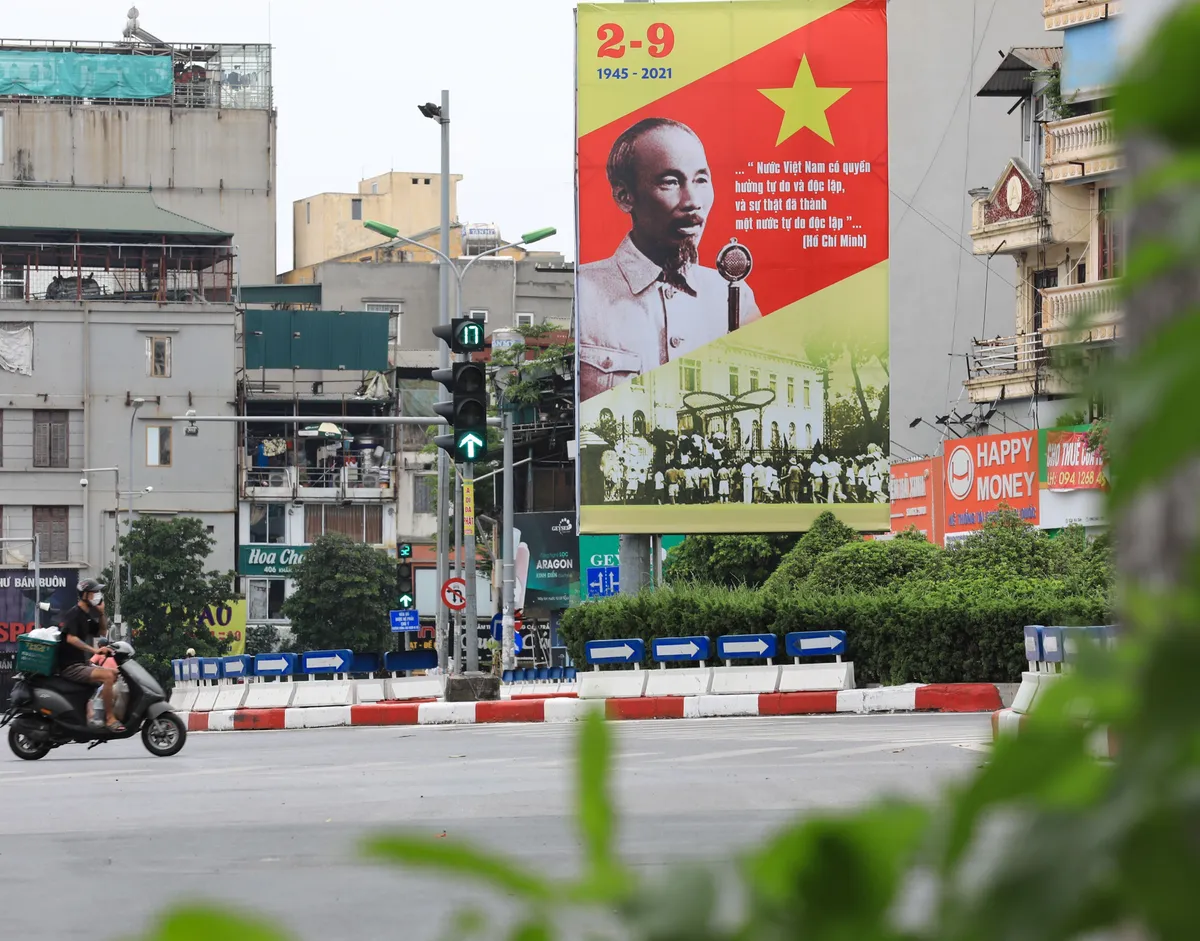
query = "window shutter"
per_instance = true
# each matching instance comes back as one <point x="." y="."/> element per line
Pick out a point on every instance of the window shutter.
<point x="60" y="550"/>
<point x="313" y="521"/>
<point x="58" y="442"/>
<point x="41" y="440"/>
<point x="374" y="525"/>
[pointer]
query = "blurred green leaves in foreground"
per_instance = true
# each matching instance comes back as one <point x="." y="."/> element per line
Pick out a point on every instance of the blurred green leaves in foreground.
<point x="1045" y="842"/>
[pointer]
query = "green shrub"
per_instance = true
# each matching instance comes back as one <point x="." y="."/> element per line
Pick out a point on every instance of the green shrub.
<point x="866" y="566"/>
<point x="827" y="533"/>
<point x="727" y="560"/>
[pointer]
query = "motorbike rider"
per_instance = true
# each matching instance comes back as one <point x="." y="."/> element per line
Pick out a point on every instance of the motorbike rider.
<point x="80" y="625"/>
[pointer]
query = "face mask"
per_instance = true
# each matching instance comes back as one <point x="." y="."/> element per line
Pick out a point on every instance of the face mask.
<point x="98" y="598"/>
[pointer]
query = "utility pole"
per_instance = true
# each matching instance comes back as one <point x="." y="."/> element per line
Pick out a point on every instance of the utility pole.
<point x="471" y="614"/>
<point x="455" y="618"/>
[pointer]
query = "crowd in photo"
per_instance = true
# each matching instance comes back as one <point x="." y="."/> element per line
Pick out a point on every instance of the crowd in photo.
<point x="694" y="468"/>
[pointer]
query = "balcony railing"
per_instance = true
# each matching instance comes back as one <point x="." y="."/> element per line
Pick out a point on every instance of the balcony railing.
<point x="1006" y="356"/>
<point x="1081" y="313"/>
<point x="159" y="274"/>
<point x="1081" y="147"/>
<point x="370" y="479"/>
<point x="1061" y="13"/>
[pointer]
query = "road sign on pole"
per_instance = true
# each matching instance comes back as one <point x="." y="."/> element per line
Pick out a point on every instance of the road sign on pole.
<point x="454" y="594"/>
<point x="669" y="649"/>
<point x="631" y="650"/>
<point x="468" y="508"/>
<point x="746" y="646"/>
<point x="326" y="661"/>
<point x="603" y="581"/>
<point x="275" y="664"/>
<point x="407" y="619"/>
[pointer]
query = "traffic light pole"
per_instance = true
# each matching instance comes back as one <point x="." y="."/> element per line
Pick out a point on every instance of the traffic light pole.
<point x="444" y="269"/>
<point x="471" y="614"/>
<point x="456" y="647"/>
<point x="508" y="551"/>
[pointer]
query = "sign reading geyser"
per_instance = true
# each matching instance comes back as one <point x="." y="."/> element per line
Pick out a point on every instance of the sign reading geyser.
<point x="732" y="282"/>
<point x="982" y="473"/>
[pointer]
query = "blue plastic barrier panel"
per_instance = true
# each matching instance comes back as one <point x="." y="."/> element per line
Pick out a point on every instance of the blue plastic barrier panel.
<point x="406" y="620"/>
<point x="326" y="661"/>
<point x="274" y="664"/>
<point x="746" y="646"/>
<point x="366" y="663"/>
<point x="676" y="649"/>
<point x="1052" y="644"/>
<point x="1076" y="637"/>
<point x="237" y="666"/>
<point x="814" y="643"/>
<point x="177" y="670"/>
<point x="192" y="668"/>
<point x="210" y="668"/>
<point x="629" y="650"/>
<point x="1033" y="643"/>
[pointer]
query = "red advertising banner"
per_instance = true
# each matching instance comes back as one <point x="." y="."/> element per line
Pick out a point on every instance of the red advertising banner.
<point x="916" y="497"/>
<point x="983" y="473"/>
<point x="1067" y="462"/>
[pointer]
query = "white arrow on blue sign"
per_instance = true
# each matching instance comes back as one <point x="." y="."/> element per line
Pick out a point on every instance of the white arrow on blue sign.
<point x="405" y="620"/>
<point x="274" y="664"/>
<point x="746" y="646"/>
<point x="326" y="661"/>
<point x="615" y="651"/>
<point x="815" y="643"/>
<point x="672" y="649"/>
<point x="210" y="668"/>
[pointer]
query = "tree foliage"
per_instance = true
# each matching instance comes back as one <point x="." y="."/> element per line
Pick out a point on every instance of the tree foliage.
<point x="727" y="560"/>
<point x="827" y="533"/>
<point x="171" y="590"/>
<point x="344" y="590"/>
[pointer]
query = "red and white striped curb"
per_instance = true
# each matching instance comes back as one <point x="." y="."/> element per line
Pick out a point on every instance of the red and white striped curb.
<point x="957" y="697"/>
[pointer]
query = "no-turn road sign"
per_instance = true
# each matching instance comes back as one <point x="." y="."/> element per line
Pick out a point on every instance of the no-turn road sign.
<point x="454" y="593"/>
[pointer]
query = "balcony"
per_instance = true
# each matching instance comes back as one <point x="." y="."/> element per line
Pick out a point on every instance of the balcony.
<point x="1081" y="313"/>
<point x="1006" y="367"/>
<point x="363" y="478"/>
<point x="1059" y="14"/>
<point x="1081" y="148"/>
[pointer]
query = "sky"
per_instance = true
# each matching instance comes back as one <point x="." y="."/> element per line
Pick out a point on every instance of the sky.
<point x="347" y="79"/>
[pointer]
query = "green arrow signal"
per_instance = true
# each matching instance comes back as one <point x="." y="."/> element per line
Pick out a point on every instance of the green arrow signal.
<point x="405" y="601"/>
<point x="471" y="443"/>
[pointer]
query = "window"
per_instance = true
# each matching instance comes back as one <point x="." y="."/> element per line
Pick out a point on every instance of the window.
<point x="425" y="493"/>
<point x="158" y="357"/>
<point x="773" y="382"/>
<point x="388" y="307"/>
<point x="639" y="423"/>
<point x="12" y="283"/>
<point x="50" y="525"/>
<point x="374" y="189"/>
<point x="1111" y="239"/>
<point x="1" y="447"/>
<point x="524" y="320"/>
<point x="808" y="393"/>
<point x="478" y="313"/>
<point x="756" y="435"/>
<point x="356" y="209"/>
<point x="415" y="181"/>
<point x="49" y="439"/>
<point x="753" y="379"/>
<point x="791" y="390"/>
<point x="426" y="181"/>
<point x="308" y="213"/>
<point x="1042" y="279"/>
<point x="264" y="599"/>
<point x="158" y="446"/>
<point x="267" y="522"/>
<point x="360" y="523"/>
<point x="734" y="380"/>
<point x="689" y="375"/>
<point x="808" y="437"/>
<point x="1081" y="273"/>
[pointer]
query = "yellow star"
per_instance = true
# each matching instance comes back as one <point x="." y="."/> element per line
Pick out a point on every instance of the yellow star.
<point x="804" y="104"/>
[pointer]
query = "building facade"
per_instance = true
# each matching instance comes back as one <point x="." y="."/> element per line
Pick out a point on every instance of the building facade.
<point x="115" y="316"/>
<point x="1052" y="212"/>
<point x="195" y="123"/>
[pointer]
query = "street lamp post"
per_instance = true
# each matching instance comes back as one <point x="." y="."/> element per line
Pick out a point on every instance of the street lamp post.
<point x="472" y="617"/>
<point x="137" y="403"/>
<point x="117" y="522"/>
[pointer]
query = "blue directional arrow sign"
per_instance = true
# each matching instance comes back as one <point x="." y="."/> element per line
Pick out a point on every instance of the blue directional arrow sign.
<point x="406" y="620"/>
<point x="1052" y="644"/>
<point x="630" y="650"/>
<point x="210" y="668"/>
<point x="673" y="649"/>
<point x="746" y="646"/>
<point x="275" y="664"/>
<point x="235" y="666"/>
<point x="192" y="668"/>
<point x="326" y="661"/>
<point x="603" y="581"/>
<point x="814" y="643"/>
<point x="1033" y="642"/>
<point x="177" y="670"/>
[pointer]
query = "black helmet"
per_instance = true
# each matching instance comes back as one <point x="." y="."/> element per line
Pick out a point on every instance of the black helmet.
<point x="89" y="585"/>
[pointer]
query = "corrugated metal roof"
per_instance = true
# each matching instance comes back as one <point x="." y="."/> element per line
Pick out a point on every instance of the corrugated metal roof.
<point x="78" y="209"/>
<point x="1011" y="79"/>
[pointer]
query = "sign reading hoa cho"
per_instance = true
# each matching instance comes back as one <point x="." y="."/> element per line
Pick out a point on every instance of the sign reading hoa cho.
<point x="269" y="559"/>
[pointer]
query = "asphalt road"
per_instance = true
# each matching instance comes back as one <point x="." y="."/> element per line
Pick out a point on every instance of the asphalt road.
<point x="271" y="820"/>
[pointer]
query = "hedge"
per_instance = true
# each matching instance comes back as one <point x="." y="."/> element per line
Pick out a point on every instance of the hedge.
<point x="925" y="631"/>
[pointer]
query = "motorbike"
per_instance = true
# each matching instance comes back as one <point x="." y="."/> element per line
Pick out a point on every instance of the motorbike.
<point x="45" y="712"/>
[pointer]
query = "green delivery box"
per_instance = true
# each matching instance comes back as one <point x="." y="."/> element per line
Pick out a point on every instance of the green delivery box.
<point x="36" y="656"/>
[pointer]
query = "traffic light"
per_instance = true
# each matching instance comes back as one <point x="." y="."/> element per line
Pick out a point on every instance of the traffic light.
<point x="404" y="550"/>
<point x="462" y="334"/>
<point x="406" y="594"/>
<point x="466" y="412"/>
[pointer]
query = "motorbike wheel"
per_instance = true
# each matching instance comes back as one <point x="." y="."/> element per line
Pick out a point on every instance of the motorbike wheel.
<point x="26" y="747"/>
<point x="164" y="735"/>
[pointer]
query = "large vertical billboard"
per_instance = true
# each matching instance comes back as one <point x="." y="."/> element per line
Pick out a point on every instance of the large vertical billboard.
<point x="731" y="286"/>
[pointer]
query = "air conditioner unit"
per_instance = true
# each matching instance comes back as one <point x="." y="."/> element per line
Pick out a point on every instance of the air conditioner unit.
<point x="277" y="480"/>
